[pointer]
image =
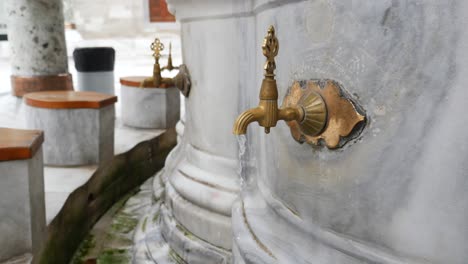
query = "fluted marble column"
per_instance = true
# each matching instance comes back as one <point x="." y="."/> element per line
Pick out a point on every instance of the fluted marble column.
<point x="38" y="48"/>
<point x="202" y="178"/>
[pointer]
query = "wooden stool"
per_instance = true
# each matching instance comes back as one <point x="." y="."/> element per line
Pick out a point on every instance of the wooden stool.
<point x="148" y="107"/>
<point x="22" y="206"/>
<point x="79" y="126"/>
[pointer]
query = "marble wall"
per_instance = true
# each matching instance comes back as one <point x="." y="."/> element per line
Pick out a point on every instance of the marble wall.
<point x="396" y="194"/>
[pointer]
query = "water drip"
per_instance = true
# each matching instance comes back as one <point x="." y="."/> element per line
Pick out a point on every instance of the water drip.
<point x="243" y="159"/>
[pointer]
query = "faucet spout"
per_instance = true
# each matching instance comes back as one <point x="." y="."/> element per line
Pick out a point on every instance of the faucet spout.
<point x="247" y="117"/>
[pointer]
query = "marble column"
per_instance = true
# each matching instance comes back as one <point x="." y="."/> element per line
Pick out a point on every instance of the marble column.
<point x="202" y="179"/>
<point x="38" y="48"/>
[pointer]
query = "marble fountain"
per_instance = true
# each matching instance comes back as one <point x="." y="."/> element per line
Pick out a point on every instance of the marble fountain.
<point x="369" y="165"/>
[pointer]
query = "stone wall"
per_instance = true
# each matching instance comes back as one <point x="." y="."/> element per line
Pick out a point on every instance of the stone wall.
<point x="111" y="18"/>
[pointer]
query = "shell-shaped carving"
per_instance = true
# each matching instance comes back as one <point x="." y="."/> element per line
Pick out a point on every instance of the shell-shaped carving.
<point x="341" y="114"/>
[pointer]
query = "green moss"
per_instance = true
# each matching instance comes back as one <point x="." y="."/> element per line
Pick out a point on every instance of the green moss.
<point x="143" y="226"/>
<point x="174" y="256"/>
<point x="84" y="248"/>
<point x="124" y="223"/>
<point x="156" y="199"/>
<point x="117" y="239"/>
<point x="121" y="203"/>
<point x="185" y="231"/>
<point x="156" y="217"/>
<point x="114" y="256"/>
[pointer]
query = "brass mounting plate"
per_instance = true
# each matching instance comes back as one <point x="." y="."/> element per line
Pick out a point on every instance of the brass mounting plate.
<point x="342" y="115"/>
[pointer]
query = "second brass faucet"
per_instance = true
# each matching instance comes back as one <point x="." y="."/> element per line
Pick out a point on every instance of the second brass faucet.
<point x="312" y="115"/>
<point x="181" y="80"/>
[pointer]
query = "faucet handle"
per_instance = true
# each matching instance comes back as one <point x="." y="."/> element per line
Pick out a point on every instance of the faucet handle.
<point x="157" y="46"/>
<point x="270" y="49"/>
<point x="169" y="65"/>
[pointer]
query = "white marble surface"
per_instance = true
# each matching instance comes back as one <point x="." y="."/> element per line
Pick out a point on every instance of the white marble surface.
<point x="22" y="209"/>
<point x="101" y="82"/>
<point x="394" y="195"/>
<point x="150" y="107"/>
<point x="74" y="136"/>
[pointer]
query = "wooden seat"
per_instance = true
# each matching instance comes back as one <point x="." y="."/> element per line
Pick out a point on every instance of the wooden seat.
<point x="135" y="81"/>
<point x="132" y="81"/>
<point x="69" y="99"/>
<point x="17" y="144"/>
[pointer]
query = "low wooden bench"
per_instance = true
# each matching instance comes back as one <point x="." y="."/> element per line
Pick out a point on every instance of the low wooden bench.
<point x="148" y="107"/>
<point x="79" y="126"/>
<point x="22" y="206"/>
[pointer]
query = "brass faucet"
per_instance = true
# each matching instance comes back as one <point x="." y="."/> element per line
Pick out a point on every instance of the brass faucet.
<point x="312" y="116"/>
<point x="181" y="80"/>
<point x="156" y="80"/>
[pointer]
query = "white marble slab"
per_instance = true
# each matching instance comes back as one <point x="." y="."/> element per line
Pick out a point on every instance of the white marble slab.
<point x="74" y="137"/>
<point x="22" y="209"/>
<point x="150" y="107"/>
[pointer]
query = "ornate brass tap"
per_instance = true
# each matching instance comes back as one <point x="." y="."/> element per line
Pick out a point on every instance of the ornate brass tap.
<point x="313" y="116"/>
<point x="181" y="80"/>
<point x="314" y="110"/>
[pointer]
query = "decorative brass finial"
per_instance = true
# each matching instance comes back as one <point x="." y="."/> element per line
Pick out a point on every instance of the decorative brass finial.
<point x="270" y="49"/>
<point x="157" y="47"/>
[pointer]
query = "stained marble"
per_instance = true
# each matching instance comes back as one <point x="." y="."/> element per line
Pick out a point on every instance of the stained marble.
<point x="37" y="45"/>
